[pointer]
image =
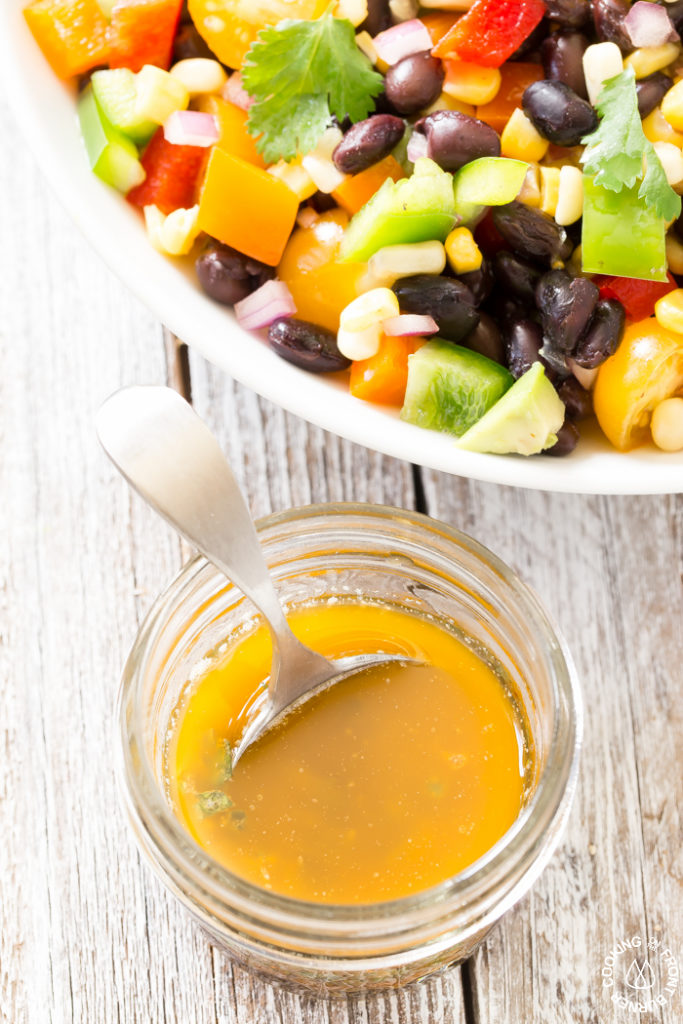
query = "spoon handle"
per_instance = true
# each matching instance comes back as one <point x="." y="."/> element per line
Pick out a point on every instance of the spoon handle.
<point x="168" y="454"/>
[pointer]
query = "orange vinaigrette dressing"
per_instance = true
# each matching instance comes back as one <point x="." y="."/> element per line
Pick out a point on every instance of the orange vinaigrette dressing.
<point x="382" y="786"/>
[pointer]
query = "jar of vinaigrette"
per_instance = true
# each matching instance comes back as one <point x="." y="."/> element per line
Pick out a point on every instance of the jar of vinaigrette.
<point x="377" y="836"/>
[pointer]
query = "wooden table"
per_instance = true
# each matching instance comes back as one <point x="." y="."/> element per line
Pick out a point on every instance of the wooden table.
<point x="87" y="934"/>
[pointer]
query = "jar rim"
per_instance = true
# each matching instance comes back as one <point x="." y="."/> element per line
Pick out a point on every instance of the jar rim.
<point x="155" y="822"/>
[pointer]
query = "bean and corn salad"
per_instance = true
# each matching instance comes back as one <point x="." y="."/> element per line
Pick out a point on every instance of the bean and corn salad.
<point x="470" y="207"/>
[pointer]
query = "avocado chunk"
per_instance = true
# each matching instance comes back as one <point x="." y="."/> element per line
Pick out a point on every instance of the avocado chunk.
<point x="415" y="209"/>
<point x="451" y="387"/>
<point x="524" y="421"/>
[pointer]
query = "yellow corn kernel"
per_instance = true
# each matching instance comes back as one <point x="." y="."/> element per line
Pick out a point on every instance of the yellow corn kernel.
<point x="600" y="62"/>
<point x="464" y="255"/>
<point x="471" y="83"/>
<point x="355" y="11"/>
<point x="530" y="192"/>
<point x="359" y="344"/>
<point x="550" y="189"/>
<point x="403" y="10"/>
<point x="671" y="159"/>
<point x="446" y="102"/>
<point x="674" y="254"/>
<point x="365" y="45"/>
<point x="520" y="140"/>
<point x="658" y="128"/>
<point x="575" y="262"/>
<point x="394" y="261"/>
<point x="669" y="311"/>
<point x="667" y="424"/>
<point x="648" y="59"/>
<point x="369" y="310"/>
<point x="672" y="108"/>
<point x="200" y="75"/>
<point x="175" y="234"/>
<point x="569" y="207"/>
<point x="294" y="176"/>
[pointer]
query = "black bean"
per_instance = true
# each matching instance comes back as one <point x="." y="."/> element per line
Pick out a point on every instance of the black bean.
<point x="453" y="138"/>
<point x="603" y="335"/>
<point x="523" y="341"/>
<point x="480" y="282"/>
<point x="227" y="275"/>
<point x="557" y="113"/>
<point x="368" y="142"/>
<point x="515" y="275"/>
<point x="651" y="91"/>
<point x="562" y="56"/>
<point x="577" y="401"/>
<point x="322" y="202"/>
<point x="378" y="18"/>
<point x="414" y="82"/>
<point x="569" y="13"/>
<point x="507" y="310"/>
<point x="530" y="233"/>
<point x="486" y="339"/>
<point x="188" y="44"/>
<point x="567" y="439"/>
<point x="445" y="299"/>
<point x="306" y="345"/>
<point x="566" y="306"/>
<point x="608" y="16"/>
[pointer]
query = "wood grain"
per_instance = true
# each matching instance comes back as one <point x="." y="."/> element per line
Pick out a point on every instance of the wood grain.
<point x="87" y="935"/>
<point x="609" y="571"/>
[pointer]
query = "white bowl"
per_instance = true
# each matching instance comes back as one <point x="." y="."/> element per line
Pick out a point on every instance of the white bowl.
<point x="45" y="110"/>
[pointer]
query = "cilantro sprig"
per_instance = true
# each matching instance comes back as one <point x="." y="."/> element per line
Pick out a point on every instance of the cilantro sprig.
<point x="299" y="74"/>
<point x="615" y="150"/>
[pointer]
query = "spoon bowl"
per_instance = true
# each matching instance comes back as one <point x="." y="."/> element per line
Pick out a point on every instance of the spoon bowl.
<point x="171" y="458"/>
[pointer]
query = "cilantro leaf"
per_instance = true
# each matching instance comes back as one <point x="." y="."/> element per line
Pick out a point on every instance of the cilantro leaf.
<point x="298" y="74"/>
<point x="615" y="150"/>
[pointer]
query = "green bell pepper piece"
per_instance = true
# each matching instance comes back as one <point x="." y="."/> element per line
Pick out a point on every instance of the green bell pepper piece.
<point x="415" y="209"/>
<point x="112" y="156"/>
<point x="621" y="236"/>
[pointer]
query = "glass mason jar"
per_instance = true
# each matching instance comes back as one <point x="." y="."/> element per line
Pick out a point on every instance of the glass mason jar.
<point x="417" y="564"/>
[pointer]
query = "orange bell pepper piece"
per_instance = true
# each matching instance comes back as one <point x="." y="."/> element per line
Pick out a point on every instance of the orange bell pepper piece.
<point x="247" y="208"/>
<point x="232" y="124"/>
<point x="515" y="79"/>
<point x="439" y="23"/>
<point x="142" y="32"/>
<point x="355" y="190"/>
<point x="173" y="174"/>
<point x="383" y="377"/>
<point x="71" y="33"/>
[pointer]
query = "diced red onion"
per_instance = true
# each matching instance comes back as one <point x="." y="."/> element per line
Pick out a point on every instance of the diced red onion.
<point x="269" y="302"/>
<point x="191" y="128"/>
<point x="417" y="146"/>
<point x="401" y="40"/>
<point x="409" y="324"/>
<point x="234" y="92"/>
<point x="649" y="24"/>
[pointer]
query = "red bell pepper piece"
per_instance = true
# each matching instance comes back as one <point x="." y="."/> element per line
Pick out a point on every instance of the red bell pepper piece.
<point x="637" y="297"/>
<point x="173" y="174"/>
<point x="142" y="32"/>
<point x="491" y="31"/>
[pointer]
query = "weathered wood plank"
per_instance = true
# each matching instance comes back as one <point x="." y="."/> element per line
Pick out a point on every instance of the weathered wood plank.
<point x="85" y="934"/>
<point x="604" y="568"/>
<point x="282" y="461"/>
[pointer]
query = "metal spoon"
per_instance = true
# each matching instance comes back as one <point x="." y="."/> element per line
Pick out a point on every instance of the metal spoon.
<point x="170" y="457"/>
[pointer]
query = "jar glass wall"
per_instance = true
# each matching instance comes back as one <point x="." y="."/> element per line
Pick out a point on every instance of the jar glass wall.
<point x="417" y="564"/>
